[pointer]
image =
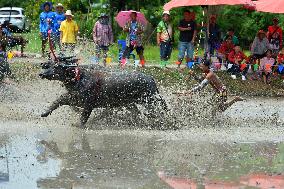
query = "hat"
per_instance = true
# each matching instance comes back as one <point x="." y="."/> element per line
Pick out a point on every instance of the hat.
<point x="46" y="3"/>
<point x="68" y="13"/>
<point x="59" y="5"/>
<point x="166" y="12"/>
<point x="103" y="15"/>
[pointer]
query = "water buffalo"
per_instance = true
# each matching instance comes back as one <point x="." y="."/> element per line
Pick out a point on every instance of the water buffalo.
<point x="98" y="88"/>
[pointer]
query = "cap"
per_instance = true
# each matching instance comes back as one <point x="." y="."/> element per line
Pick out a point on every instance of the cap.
<point x="166" y="12"/>
<point x="103" y="15"/>
<point x="59" y="5"/>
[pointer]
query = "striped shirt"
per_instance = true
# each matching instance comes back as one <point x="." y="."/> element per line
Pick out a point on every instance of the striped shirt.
<point x="102" y="34"/>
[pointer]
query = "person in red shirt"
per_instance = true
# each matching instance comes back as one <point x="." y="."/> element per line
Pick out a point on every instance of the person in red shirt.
<point x="226" y="47"/>
<point x="236" y="58"/>
<point x="274" y="36"/>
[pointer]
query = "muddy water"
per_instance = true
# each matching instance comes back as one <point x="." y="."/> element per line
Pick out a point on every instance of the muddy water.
<point x="242" y="148"/>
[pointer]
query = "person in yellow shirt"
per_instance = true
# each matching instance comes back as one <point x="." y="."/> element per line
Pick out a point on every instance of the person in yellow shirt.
<point x="68" y="32"/>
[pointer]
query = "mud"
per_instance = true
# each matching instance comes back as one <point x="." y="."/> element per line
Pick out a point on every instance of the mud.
<point x="240" y="148"/>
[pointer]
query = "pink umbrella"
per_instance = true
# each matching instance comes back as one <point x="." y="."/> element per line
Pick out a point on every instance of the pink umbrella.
<point x="124" y="16"/>
<point x="273" y="6"/>
<point x="184" y="3"/>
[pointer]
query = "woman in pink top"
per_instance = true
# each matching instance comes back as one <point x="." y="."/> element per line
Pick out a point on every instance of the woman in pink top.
<point x="266" y="64"/>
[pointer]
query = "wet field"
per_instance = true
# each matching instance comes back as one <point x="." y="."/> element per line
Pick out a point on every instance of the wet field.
<point x="241" y="148"/>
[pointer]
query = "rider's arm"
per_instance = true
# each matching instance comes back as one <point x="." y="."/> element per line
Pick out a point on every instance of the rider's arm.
<point x="195" y="77"/>
<point x="200" y="86"/>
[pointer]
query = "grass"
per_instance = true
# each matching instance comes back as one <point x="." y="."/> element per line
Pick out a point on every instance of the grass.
<point x="151" y="53"/>
<point x="34" y="45"/>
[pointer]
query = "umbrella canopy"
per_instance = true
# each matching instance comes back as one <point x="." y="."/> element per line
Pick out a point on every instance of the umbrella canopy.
<point x="124" y="16"/>
<point x="273" y="6"/>
<point x="184" y="3"/>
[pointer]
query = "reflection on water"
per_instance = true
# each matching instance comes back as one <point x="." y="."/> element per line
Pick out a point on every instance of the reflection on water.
<point x="72" y="158"/>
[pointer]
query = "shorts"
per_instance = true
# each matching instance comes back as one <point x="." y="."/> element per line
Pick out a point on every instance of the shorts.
<point x="185" y="47"/>
<point x="128" y="50"/>
<point x="220" y="99"/>
<point x="266" y="74"/>
<point x="101" y="48"/>
<point x="44" y="36"/>
<point x="165" y="50"/>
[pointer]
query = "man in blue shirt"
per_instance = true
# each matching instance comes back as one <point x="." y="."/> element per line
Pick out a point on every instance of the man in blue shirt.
<point x="59" y="17"/>
<point x="47" y="20"/>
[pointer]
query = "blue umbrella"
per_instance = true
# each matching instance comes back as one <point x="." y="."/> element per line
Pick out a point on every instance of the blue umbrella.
<point x="280" y="68"/>
<point x="46" y="3"/>
<point x="190" y="64"/>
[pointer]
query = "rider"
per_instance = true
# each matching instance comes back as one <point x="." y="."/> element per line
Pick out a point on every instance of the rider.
<point x="209" y="77"/>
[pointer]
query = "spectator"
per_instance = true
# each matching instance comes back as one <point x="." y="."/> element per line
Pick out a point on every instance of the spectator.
<point x="266" y="64"/>
<point x="59" y="17"/>
<point x="187" y="28"/>
<point x="236" y="57"/>
<point x="280" y="62"/>
<point x="47" y="19"/>
<point x="68" y="32"/>
<point x="165" y="38"/>
<point x="10" y="40"/>
<point x="280" y="57"/>
<point x="260" y="45"/>
<point x="274" y="36"/>
<point x="214" y="35"/>
<point x="134" y="31"/>
<point x="102" y="36"/>
<point x="231" y="32"/>
<point x="226" y="47"/>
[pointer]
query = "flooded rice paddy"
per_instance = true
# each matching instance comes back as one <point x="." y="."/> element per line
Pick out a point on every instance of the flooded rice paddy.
<point x="241" y="148"/>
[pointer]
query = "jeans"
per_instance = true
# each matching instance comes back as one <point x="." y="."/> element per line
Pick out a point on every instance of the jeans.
<point x="165" y="50"/>
<point x="185" y="47"/>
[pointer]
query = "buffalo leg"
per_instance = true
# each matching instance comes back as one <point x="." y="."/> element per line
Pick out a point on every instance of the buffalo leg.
<point x="63" y="100"/>
<point x="85" y="116"/>
<point x="134" y="110"/>
<point x="163" y="103"/>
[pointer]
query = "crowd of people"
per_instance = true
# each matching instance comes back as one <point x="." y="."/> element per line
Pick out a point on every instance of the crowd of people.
<point x="266" y="57"/>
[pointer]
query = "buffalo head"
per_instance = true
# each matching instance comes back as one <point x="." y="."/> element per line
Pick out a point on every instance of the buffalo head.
<point x="62" y="72"/>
